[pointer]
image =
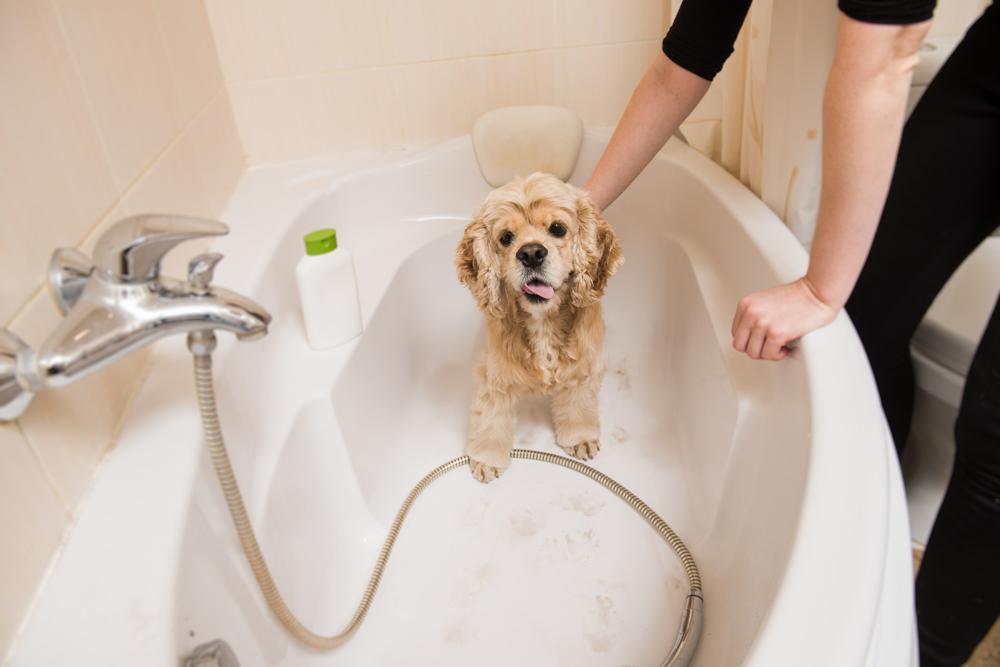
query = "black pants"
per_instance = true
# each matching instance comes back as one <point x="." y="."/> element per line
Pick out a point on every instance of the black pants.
<point x="944" y="200"/>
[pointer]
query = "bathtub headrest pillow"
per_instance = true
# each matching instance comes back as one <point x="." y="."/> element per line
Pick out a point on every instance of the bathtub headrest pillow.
<point x="517" y="141"/>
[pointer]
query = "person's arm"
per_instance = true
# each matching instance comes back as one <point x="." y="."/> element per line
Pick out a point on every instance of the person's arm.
<point x="863" y="113"/>
<point x="663" y="99"/>
<point x="694" y="50"/>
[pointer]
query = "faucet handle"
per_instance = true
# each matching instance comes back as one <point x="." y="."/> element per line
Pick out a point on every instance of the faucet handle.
<point x="16" y="386"/>
<point x="69" y="271"/>
<point x="131" y="249"/>
<point x="200" y="271"/>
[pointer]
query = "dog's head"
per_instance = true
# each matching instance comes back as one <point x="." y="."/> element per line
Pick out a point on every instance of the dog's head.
<point x="537" y="243"/>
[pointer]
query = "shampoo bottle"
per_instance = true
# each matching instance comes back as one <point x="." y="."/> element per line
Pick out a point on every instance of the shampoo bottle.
<point x="328" y="291"/>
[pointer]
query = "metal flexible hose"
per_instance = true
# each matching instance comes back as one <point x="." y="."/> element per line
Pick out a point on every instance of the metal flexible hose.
<point x="202" y="345"/>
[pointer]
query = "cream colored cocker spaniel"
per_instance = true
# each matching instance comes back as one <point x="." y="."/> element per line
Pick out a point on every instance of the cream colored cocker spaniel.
<point x="537" y="258"/>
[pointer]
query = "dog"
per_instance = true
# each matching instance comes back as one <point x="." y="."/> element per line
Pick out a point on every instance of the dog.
<point x="537" y="257"/>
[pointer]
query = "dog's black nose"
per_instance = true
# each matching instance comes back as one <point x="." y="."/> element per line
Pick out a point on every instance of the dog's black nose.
<point x="532" y="255"/>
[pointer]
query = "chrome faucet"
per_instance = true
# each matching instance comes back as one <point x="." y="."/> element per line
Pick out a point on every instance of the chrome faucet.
<point x="119" y="302"/>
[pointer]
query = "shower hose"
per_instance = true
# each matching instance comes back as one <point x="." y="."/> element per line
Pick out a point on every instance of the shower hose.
<point x="202" y="343"/>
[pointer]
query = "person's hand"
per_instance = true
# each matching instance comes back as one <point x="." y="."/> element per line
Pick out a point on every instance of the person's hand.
<point x="766" y="322"/>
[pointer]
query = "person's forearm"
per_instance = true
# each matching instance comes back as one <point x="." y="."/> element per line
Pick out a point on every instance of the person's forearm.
<point x="664" y="97"/>
<point x="863" y="111"/>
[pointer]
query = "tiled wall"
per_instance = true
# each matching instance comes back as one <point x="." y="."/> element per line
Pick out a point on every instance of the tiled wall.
<point x="107" y="107"/>
<point x="313" y="76"/>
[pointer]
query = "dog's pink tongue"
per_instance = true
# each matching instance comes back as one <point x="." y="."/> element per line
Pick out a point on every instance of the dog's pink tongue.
<point x="544" y="291"/>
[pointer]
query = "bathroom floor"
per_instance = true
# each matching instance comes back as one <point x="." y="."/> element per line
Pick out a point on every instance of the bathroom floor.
<point x="988" y="653"/>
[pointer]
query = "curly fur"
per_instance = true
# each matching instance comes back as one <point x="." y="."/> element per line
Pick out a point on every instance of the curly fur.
<point x="553" y="348"/>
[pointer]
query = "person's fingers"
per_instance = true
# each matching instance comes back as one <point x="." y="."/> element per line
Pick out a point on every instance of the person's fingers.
<point x="756" y="342"/>
<point x="774" y="349"/>
<point x="741" y="309"/>
<point x="741" y="333"/>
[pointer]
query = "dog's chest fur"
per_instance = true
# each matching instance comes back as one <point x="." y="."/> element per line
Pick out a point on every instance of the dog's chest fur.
<point x="543" y="354"/>
<point x="544" y="339"/>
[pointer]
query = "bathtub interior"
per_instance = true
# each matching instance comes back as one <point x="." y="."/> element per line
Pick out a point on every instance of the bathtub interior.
<point x="542" y="567"/>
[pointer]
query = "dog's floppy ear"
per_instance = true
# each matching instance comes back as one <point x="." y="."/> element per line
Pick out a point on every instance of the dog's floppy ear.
<point x="596" y="255"/>
<point x="478" y="267"/>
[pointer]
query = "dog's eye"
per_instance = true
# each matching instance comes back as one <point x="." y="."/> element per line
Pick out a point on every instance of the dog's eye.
<point x="557" y="230"/>
<point x="506" y="238"/>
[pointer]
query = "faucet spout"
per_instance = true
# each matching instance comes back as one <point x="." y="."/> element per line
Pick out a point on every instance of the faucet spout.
<point x="111" y="321"/>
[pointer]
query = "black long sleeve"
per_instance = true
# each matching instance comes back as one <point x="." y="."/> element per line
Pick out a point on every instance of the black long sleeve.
<point x="702" y="36"/>
<point x="892" y="12"/>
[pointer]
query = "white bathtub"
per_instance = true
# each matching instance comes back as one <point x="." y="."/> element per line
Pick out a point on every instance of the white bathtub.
<point x="780" y="477"/>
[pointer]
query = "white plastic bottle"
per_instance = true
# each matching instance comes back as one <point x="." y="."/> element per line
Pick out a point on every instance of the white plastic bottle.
<point x="328" y="291"/>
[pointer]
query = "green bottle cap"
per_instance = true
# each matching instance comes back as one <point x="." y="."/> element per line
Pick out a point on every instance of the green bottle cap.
<point x="321" y="241"/>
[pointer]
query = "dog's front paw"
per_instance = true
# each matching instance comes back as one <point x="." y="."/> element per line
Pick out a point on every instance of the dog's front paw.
<point x="484" y="472"/>
<point x="586" y="450"/>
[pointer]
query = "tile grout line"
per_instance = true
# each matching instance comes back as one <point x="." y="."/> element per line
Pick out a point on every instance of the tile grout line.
<point x="170" y="145"/>
<point x="46" y="473"/>
<point x="71" y="52"/>
<point x="19" y="311"/>
<point x="433" y="61"/>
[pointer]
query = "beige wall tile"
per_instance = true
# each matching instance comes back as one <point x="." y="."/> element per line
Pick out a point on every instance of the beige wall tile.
<point x="953" y="18"/>
<point x="173" y="184"/>
<point x="33" y="522"/>
<point x="420" y="103"/>
<point x="282" y="119"/>
<point x="262" y="39"/>
<point x="591" y="22"/>
<point x="194" y="64"/>
<point x="647" y="19"/>
<point x="124" y="65"/>
<point x="327" y="35"/>
<point x="449" y="29"/>
<point x="443" y="99"/>
<point x="218" y="153"/>
<point x="72" y="427"/>
<point x="597" y="81"/>
<point x="195" y="176"/>
<point x="248" y="48"/>
<point x="56" y="182"/>
<point x="296" y="93"/>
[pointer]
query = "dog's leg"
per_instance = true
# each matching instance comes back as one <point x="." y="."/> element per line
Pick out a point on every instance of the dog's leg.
<point x="491" y="433"/>
<point x="578" y="428"/>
